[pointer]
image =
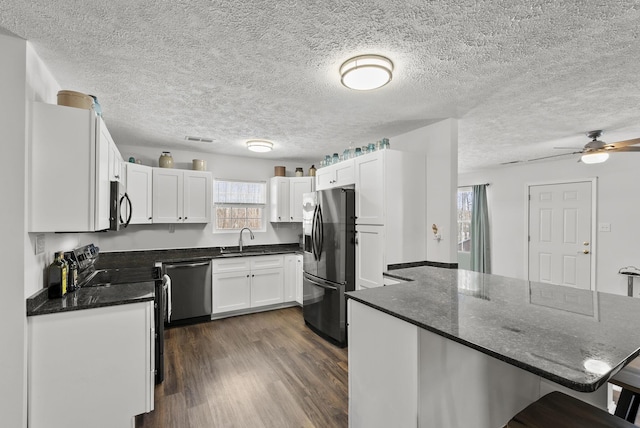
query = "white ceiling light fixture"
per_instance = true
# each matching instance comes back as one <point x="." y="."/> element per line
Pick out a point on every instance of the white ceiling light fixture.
<point x="597" y="157"/>
<point x="260" y="146"/>
<point x="366" y="72"/>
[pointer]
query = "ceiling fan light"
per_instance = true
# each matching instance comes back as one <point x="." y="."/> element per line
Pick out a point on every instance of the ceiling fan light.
<point x="598" y="157"/>
<point x="366" y="72"/>
<point x="260" y="146"/>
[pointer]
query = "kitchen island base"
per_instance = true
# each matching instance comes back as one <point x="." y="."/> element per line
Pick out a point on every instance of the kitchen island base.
<point x="405" y="376"/>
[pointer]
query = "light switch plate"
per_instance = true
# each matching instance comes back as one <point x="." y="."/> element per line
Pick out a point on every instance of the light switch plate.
<point x="604" y="227"/>
<point x="40" y="241"/>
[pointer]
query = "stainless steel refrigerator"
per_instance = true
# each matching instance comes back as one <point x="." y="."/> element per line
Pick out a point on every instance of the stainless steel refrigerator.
<point x="329" y="228"/>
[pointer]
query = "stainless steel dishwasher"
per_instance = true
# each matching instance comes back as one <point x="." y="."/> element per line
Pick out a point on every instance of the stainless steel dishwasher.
<point x="190" y="291"/>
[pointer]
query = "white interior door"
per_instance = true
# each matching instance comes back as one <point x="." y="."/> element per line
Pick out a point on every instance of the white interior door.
<point x="560" y="228"/>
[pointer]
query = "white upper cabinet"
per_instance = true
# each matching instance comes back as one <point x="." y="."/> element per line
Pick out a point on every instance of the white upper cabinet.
<point x="181" y="196"/>
<point x="116" y="162"/>
<point x="139" y="189"/>
<point x="279" y="199"/>
<point x="69" y="170"/>
<point x="336" y="175"/>
<point x="370" y="195"/>
<point x="168" y="195"/>
<point x="286" y="198"/>
<point x="197" y="196"/>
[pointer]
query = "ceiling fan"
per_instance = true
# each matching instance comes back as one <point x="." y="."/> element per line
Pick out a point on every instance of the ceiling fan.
<point x="595" y="151"/>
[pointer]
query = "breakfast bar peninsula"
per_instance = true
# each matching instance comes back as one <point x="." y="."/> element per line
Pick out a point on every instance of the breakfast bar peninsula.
<point x="454" y="348"/>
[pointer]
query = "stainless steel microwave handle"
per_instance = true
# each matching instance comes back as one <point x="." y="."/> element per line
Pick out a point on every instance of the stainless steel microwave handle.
<point x="130" y="210"/>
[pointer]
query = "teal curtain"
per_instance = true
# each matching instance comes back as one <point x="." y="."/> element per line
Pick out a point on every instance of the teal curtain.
<point x="480" y="248"/>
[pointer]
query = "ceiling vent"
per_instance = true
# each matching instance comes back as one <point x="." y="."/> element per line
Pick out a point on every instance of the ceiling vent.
<point x="199" y="139"/>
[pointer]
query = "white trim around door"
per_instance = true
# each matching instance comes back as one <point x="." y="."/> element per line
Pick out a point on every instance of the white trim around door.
<point x="594" y="222"/>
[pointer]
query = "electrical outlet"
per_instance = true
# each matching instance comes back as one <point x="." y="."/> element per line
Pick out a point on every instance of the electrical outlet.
<point x="40" y="243"/>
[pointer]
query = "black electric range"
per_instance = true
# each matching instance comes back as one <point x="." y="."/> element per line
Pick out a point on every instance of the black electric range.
<point x="90" y="277"/>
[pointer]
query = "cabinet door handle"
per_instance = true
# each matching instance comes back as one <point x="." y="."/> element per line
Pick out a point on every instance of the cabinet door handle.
<point x="247" y="276"/>
<point x="185" y="218"/>
<point x="252" y="276"/>
<point x="150" y="218"/>
<point x="179" y="218"/>
<point x="291" y="218"/>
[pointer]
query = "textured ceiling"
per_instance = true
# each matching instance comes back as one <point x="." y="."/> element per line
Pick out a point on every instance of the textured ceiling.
<point x="522" y="76"/>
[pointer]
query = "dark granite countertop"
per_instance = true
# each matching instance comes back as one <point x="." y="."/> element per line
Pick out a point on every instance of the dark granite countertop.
<point x="576" y="338"/>
<point x="91" y="297"/>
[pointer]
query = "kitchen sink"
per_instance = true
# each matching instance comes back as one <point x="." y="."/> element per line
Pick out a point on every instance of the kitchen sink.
<point x="243" y="253"/>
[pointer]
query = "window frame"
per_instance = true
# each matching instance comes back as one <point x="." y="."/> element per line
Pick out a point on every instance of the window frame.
<point x="460" y="221"/>
<point x="263" y="206"/>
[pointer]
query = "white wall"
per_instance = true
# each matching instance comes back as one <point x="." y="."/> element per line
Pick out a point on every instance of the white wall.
<point x="439" y="142"/>
<point x="12" y="217"/>
<point x="617" y="200"/>
<point x="144" y="237"/>
<point x="23" y="78"/>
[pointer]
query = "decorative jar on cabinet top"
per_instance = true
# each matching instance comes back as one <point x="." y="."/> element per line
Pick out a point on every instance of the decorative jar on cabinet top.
<point x="166" y="160"/>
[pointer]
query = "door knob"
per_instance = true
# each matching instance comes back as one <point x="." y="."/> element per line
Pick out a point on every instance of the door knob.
<point x="585" y="243"/>
<point x="585" y="251"/>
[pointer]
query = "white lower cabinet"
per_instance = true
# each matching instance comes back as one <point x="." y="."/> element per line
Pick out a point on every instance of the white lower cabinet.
<point x="370" y="262"/>
<point x="289" y="277"/>
<point x="231" y="291"/>
<point x="247" y="282"/>
<point x="91" y="368"/>
<point x="390" y="397"/>
<point x="293" y="278"/>
<point x="267" y="287"/>
<point x="299" y="272"/>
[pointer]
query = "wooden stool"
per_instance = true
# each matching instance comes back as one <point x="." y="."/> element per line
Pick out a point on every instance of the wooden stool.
<point x="559" y="410"/>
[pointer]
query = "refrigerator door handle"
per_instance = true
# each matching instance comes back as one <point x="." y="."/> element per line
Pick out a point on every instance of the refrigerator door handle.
<point x="320" y="232"/>
<point x="313" y="233"/>
<point x="316" y="234"/>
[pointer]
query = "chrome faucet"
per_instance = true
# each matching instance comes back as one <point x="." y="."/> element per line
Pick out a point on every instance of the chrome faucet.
<point x="240" y="240"/>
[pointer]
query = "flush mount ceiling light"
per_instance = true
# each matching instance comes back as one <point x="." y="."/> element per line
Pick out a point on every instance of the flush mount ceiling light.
<point x="597" y="157"/>
<point x="260" y="146"/>
<point x="366" y="72"/>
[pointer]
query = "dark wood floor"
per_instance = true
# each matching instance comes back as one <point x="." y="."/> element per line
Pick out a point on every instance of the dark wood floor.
<point x="260" y="370"/>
